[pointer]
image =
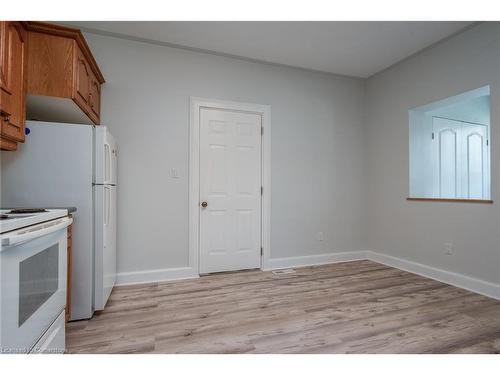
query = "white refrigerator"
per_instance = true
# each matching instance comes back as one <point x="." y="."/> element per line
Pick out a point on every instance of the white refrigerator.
<point x="63" y="165"/>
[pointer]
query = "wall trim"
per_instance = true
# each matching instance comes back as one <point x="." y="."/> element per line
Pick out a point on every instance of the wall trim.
<point x="166" y="274"/>
<point x="314" y="260"/>
<point x="472" y="284"/>
<point x="456" y="279"/>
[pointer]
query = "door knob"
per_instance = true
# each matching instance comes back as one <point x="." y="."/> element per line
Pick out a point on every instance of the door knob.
<point x="204" y="204"/>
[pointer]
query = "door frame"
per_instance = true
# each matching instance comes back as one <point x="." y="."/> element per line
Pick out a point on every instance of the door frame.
<point x="196" y="104"/>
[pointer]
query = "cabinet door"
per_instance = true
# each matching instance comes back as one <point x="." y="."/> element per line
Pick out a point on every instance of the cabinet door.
<point x="13" y="123"/>
<point x="95" y="98"/>
<point x="4" y="91"/>
<point x="82" y="80"/>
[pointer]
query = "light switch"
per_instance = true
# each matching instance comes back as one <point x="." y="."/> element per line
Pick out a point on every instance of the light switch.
<point x="174" y="173"/>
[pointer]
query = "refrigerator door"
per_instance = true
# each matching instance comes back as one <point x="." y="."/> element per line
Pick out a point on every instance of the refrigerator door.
<point x="105" y="243"/>
<point x="105" y="157"/>
<point x="54" y="169"/>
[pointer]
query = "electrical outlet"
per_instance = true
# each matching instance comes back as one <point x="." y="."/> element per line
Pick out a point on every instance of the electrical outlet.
<point x="319" y="236"/>
<point x="448" y="248"/>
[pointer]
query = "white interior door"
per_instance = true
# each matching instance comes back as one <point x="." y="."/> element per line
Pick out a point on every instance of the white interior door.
<point x="475" y="184"/>
<point x="230" y="185"/>
<point x="461" y="159"/>
<point x="447" y="163"/>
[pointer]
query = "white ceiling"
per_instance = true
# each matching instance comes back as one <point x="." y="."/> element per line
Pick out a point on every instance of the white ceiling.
<point x="358" y="49"/>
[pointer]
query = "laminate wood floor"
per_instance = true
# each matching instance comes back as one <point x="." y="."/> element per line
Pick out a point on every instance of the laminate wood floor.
<point x="353" y="307"/>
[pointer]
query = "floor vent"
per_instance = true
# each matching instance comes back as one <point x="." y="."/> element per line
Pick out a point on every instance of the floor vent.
<point x="283" y="273"/>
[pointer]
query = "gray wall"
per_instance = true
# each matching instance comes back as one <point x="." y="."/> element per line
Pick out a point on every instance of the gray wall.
<point x="318" y="161"/>
<point x="417" y="231"/>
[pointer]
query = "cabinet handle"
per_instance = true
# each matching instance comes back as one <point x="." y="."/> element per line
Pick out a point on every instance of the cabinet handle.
<point x="7" y="118"/>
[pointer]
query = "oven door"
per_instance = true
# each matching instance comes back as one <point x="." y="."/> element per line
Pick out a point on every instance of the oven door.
<point x="33" y="283"/>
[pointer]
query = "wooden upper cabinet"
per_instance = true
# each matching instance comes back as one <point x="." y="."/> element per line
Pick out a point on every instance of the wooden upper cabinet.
<point x="61" y="67"/>
<point x="13" y="46"/>
<point x="47" y="73"/>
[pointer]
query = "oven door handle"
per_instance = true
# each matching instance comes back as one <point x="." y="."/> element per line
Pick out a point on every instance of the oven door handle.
<point x="28" y="234"/>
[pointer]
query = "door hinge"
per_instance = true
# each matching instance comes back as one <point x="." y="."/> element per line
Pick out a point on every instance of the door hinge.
<point x="262" y="190"/>
<point x="261" y="251"/>
<point x="487" y="142"/>
<point x="432" y="135"/>
<point x="261" y="130"/>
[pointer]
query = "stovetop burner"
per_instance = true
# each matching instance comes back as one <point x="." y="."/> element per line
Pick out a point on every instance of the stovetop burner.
<point x="27" y="210"/>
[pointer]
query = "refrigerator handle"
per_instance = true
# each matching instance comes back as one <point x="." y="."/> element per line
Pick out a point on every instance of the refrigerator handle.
<point x="107" y="163"/>
<point x="106" y="204"/>
<point x="106" y="212"/>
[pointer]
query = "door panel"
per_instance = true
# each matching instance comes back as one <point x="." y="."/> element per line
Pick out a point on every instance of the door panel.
<point x="461" y="159"/>
<point x="448" y="163"/>
<point x="95" y="97"/>
<point x="475" y="178"/>
<point x="245" y="233"/>
<point x="230" y="183"/>
<point x="217" y="222"/>
<point x="217" y="169"/>
<point x="82" y="79"/>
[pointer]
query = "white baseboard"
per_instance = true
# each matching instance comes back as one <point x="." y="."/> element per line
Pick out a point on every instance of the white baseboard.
<point x="167" y="274"/>
<point x="461" y="281"/>
<point x="313" y="260"/>
<point x="465" y="282"/>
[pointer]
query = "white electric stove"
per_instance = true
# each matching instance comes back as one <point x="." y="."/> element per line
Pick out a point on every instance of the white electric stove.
<point x="33" y="275"/>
